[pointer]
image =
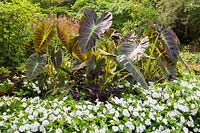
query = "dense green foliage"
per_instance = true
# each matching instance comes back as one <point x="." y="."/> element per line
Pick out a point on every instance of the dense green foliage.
<point x="128" y="15"/>
<point x="54" y="6"/>
<point x="183" y="16"/>
<point x="16" y="20"/>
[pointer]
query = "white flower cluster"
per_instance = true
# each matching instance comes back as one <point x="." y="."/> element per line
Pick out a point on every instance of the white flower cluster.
<point x="171" y="108"/>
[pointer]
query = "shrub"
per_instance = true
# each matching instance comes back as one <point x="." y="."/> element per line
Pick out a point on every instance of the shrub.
<point x="16" y="19"/>
<point x="183" y="16"/>
<point x="54" y="6"/>
<point x="127" y="14"/>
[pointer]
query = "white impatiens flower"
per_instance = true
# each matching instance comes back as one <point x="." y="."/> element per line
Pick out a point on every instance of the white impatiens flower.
<point x="192" y="106"/>
<point x="29" y="110"/>
<point x="156" y="95"/>
<point x="166" y="96"/>
<point x="90" y="107"/>
<point x="22" y="128"/>
<point x="140" y="128"/>
<point x="1" y="104"/>
<point x="116" y="114"/>
<point x="45" y="122"/>
<point x="185" y="130"/>
<point x="127" y="84"/>
<point x="181" y="107"/>
<point x="126" y="113"/>
<point x="52" y="117"/>
<point x="121" y="127"/>
<point x="151" y="116"/>
<point x="1" y="123"/>
<point x="148" y="122"/>
<point x="135" y="113"/>
<point x="112" y="111"/>
<point x="198" y="93"/>
<point x="194" y="111"/>
<point x="190" y="122"/>
<point x="30" y="117"/>
<point x="102" y="130"/>
<point x="165" y="121"/>
<point x="24" y="104"/>
<point x="129" y="125"/>
<point x="182" y="119"/>
<point x="115" y="128"/>
<point x="130" y="108"/>
<point x="108" y="106"/>
<point x="119" y="101"/>
<point x="58" y="130"/>
<point x="35" y="127"/>
<point x="35" y="113"/>
<point x="90" y="116"/>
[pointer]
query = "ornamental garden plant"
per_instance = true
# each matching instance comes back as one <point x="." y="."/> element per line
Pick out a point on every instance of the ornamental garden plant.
<point x="85" y="76"/>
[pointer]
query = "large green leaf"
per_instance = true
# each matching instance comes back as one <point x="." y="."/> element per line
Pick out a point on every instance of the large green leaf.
<point x="170" y="41"/>
<point x="35" y="65"/>
<point x="133" y="70"/>
<point x="91" y="28"/>
<point x="134" y="51"/>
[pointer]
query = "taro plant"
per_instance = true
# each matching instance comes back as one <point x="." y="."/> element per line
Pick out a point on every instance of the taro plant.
<point x="91" y="70"/>
<point x="163" y="54"/>
<point x="47" y="65"/>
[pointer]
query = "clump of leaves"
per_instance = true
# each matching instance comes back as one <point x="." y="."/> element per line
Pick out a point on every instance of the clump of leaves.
<point x="97" y="69"/>
<point x="163" y="53"/>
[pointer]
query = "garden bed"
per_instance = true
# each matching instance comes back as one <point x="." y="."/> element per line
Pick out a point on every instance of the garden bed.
<point x="167" y="107"/>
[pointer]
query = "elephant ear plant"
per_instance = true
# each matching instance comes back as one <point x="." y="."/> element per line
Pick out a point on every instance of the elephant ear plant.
<point x="94" y="68"/>
<point x="163" y="54"/>
<point x="47" y="63"/>
<point x="131" y="52"/>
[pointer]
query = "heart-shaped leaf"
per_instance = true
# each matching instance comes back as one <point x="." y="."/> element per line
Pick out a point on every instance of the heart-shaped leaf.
<point x="91" y="28"/>
<point x="43" y="34"/>
<point x="35" y="65"/>
<point x="170" y="41"/>
<point x="134" y="51"/>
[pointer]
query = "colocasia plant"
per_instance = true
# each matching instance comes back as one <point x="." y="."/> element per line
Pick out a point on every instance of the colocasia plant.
<point x="89" y="64"/>
<point x="95" y="66"/>
<point x="163" y="54"/>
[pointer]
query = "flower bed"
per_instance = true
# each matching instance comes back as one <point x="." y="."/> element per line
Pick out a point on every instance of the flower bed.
<point x="167" y="107"/>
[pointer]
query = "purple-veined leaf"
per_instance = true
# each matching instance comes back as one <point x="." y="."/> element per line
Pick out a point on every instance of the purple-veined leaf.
<point x="91" y="28"/>
<point x="134" y="51"/>
<point x="128" y="38"/>
<point x="170" y="42"/>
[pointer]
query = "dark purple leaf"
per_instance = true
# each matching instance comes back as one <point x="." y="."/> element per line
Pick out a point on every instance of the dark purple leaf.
<point x="91" y="28"/>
